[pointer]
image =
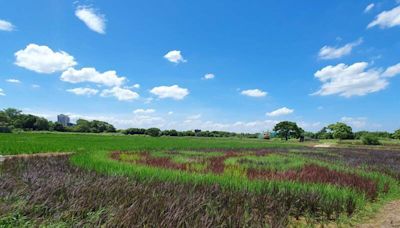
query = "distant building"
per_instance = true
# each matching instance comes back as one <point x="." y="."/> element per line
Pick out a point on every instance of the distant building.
<point x="63" y="119"/>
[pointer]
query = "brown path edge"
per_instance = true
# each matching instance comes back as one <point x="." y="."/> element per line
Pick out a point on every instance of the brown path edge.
<point x="387" y="216"/>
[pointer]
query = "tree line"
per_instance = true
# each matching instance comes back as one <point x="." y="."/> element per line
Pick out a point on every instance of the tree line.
<point x="14" y="120"/>
<point x="341" y="131"/>
<point x="155" y="132"/>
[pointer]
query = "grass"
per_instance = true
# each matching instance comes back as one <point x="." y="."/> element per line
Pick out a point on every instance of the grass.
<point x="322" y="185"/>
<point x="28" y="143"/>
<point x="332" y="201"/>
<point x="42" y="186"/>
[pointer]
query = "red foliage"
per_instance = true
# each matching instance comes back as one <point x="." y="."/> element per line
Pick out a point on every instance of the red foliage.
<point x="163" y="162"/>
<point x="318" y="174"/>
<point x="216" y="164"/>
<point x="310" y="173"/>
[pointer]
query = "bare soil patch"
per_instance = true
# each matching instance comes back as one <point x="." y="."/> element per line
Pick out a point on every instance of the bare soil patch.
<point x="388" y="216"/>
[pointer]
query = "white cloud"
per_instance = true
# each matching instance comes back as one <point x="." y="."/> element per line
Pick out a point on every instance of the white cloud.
<point x="129" y="120"/>
<point x="6" y="26"/>
<point x="369" y="7"/>
<point x="194" y="117"/>
<point x="208" y="76"/>
<point x="175" y="56"/>
<point x="35" y="86"/>
<point x="83" y="91"/>
<point x="120" y="93"/>
<point x="280" y="112"/>
<point x="170" y="112"/>
<point x="353" y="80"/>
<point x="174" y="92"/>
<point x="108" y="78"/>
<point x="392" y="71"/>
<point x="2" y="93"/>
<point x="144" y="111"/>
<point x="358" y="122"/>
<point x="387" y="19"/>
<point x="254" y="93"/>
<point x="91" y="18"/>
<point x="12" y="80"/>
<point x="312" y="125"/>
<point x="148" y="100"/>
<point x="134" y="86"/>
<point x="328" y="52"/>
<point x="42" y="59"/>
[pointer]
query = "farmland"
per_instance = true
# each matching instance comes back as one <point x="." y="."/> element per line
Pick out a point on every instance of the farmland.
<point x="144" y="181"/>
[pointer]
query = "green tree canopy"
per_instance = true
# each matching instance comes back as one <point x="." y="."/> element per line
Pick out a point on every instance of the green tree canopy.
<point x="396" y="134"/>
<point x="341" y="131"/>
<point x="155" y="132"/>
<point x="287" y="129"/>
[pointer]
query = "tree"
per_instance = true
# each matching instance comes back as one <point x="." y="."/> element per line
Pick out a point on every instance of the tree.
<point x="58" y="127"/>
<point x="12" y="113"/>
<point x="287" y="129"/>
<point x="41" y="124"/>
<point x="135" y="131"/>
<point x="26" y="122"/>
<point x="396" y="134"/>
<point x="154" y="132"/>
<point x="370" y="139"/>
<point x="4" y="123"/>
<point x="324" y="134"/>
<point x="82" y="126"/>
<point x="341" y="131"/>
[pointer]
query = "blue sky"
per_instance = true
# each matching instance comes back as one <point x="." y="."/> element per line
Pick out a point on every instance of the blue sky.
<point x="218" y="65"/>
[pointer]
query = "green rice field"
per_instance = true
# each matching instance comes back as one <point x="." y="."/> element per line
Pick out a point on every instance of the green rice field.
<point x="198" y="181"/>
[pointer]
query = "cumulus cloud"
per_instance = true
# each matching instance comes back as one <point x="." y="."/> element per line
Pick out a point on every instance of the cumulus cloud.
<point x="92" y="19"/>
<point x="89" y="74"/>
<point x="175" y="92"/>
<point x="369" y="7"/>
<point x="12" y="80"/>
<point x="392" y="71"/>
<point x="254" y="93"/>
<point x="175" y="56"/>
<point x="83" y="91"/>
<point x="356" y="122"/>
<point x="387" y="19"/>
<point x="353" y="80"/>
<point x="310" y="125"/>
<point x="6" y="26"/>
<point x="120" y="93"/>
<point x="2" y="93"/>
<point x="175" y="122"/>
<point x="329" y="52"/>
<point x="280" y="112"/>
<point x="136" y="86"/>
<point x="208" y="76"/>
<point x="42" y="59"/>
<point x="194" y="117"/>
<point x="144" y="111"/>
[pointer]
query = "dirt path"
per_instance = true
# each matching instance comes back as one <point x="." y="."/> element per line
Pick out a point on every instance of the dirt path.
<point x="4" y="157"/>
<point x="388" y="216"/>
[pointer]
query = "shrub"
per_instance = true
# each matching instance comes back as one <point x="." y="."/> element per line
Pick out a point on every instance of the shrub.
<point x="396" y="134"/>
<point x="4" y="129"/>
<point x="370" y="139"/>
<point x="154" y="132"/>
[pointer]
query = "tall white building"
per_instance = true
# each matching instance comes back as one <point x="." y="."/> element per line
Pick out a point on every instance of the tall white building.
<point x="63" y="119"/>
